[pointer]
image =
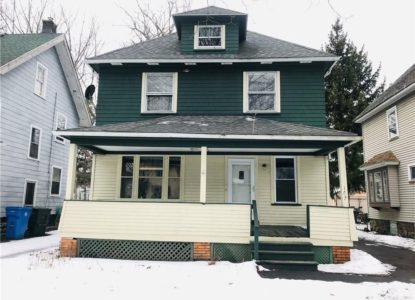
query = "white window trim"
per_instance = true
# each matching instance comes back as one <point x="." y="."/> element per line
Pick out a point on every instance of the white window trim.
<point x="395" y="136"/>
<point x="196" y="38"/>
<point x="277" y="91"/>
<point x="144" y="94"/>
<point x="30" y="142"/>
<point x="24" y="191"/>
<point x="55" y="138"/>
<point x="43" y="95"/>
<point x="60" y="181"/>
<point x="410" y="166"/>
<point x="274" y="177"/>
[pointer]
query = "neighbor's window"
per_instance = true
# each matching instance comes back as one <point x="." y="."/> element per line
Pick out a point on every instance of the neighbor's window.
<point x="29" y="192"/>
<point x="411" y="172"/>
<point x="60" y="124"/>
<point x="209" y="37"/>
<point x="159" y="93"/>
<point x="392" y="117"/>
<point x="55" y="187"/>
<point x="34" y="144"/>
<point x="150" y="180"/>
<point x="285" y="180"/>
<point x="378" y="185"/>
<point x="262" y="92"/>
<point x="174" y="177"/>
<point x="127" y="171"/>
<point x="40" y="80"/>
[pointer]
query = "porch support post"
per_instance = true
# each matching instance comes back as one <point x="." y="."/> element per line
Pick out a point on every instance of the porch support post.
<point x="341" y="161"/>
<point x="203" y="167"/>
<point x="71" y="177"/>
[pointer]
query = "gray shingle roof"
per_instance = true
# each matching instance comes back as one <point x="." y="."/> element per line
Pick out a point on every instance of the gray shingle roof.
<point x="210" y="11"/>
<point x="222" y="125"/>
<point x="255" y="46"/>
<point x="14" y="45"/>
<point x="405" y="80"/>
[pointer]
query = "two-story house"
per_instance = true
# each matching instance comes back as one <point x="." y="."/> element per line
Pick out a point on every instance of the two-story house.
<point x="39" y="93"/>
<point x="388" y="127"/>
<point x="198" y="133"/>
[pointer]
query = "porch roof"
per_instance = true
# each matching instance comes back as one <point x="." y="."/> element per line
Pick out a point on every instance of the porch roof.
<point x="220" y="133"/>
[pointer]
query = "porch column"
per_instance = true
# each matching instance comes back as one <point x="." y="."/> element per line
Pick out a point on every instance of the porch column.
<point x="71" y="176"/>
<point x="341" y="161"/>
<point x="203" y="167"/>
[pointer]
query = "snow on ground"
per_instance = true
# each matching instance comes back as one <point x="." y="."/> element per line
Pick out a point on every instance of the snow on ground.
<point x="391" y="240"/>
<point x="26" y="245"/>
<point x="360" y="263"/>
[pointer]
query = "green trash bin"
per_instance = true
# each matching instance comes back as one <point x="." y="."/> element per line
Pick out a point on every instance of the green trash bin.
<point x="38" y="221"/>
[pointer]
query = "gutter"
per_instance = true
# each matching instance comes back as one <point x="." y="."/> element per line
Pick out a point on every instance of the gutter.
<point x="406" y="91"/>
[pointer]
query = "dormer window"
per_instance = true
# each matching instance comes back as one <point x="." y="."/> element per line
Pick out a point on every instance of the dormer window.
<point x="209" y="37"/>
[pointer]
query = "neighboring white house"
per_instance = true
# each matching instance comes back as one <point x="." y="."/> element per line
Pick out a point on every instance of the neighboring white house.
<point x="40" y="92"/>
<point x="389" y="149"/>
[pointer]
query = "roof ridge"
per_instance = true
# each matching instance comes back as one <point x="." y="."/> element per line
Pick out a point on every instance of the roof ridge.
<point x="206" y="8"/>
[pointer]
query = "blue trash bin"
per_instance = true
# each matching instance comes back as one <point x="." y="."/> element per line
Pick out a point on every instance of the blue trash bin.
<point x="17" y="220"/>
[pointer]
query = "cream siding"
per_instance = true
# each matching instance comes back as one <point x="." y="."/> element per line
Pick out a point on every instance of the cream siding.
<point x="143" y="221"/>
<point x="375" y="141"/>
<point x="311" y="175"/>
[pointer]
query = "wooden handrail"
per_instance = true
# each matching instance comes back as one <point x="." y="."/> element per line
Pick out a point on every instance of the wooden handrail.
<point x="256" y="229"/>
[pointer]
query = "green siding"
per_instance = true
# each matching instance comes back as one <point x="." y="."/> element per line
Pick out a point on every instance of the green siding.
<point x="231" y="39"/>
<point x="213" y="89"/>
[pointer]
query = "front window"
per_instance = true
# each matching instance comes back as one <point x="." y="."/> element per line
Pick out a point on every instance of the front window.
<point x="34" y="144"/>
<point x="150" y="180"/>
<point x="60" y="125"/>
<point x="127" y="171"/>
<point x="378" y="185"/>
<point x="392" y="118"/>
<point x="40" y="80"/>
<point x="159" y="93"/>
<point x="285" y="180"/>
<point x="55" y="187"/>
<point x="29" y="193"/>
<point x="261" y="92"/>
<point x="174" y="177"/>
<point x="209" y="37"/>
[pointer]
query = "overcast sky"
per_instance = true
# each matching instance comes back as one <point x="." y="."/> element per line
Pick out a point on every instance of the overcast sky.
<point x="385" y="27"/>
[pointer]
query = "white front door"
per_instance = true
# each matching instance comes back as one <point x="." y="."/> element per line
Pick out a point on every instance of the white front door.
<point x="241" y="180"/>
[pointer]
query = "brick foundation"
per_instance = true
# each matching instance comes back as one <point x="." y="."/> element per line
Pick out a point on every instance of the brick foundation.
<point x="67" y="247"/>
<point x="340" y="254"/>
<point x="406" y="229"/>
<point x="202" y="251"/>
<point x="380" y="226"/>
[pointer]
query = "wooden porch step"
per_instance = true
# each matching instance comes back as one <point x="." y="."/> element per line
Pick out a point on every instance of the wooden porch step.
<point x="286" y="255"/>
<point x="273" y="246"/>
<point x="289" y="265"/>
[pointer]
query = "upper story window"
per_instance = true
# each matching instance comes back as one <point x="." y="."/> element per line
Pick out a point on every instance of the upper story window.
<point x="40" y="80"/>
<point x="209" y="37"/>
<point x="159" y="93"/>
<point x="411" y="172"/>
<point x="60" y="124"/>
<point x="392" y="119"/>
<point x="261" y="92"/>
<point x="34" y="143"/>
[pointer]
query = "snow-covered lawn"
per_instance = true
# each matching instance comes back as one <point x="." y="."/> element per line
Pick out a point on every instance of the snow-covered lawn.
<point x="391" y="240"/>
<point x="360" y="263"/>
<point x="43" y="275"/>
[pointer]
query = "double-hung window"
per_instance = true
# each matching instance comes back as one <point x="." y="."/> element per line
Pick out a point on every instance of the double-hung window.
<point x="60" y="124"/>
<point x="159" y="93"/>
<point x="411" y="172"/>
<point x="127" y="172"/>
<point x="34" y="143"/>
<point x="40" y="80"/>
<point x="392" y="119"/>
<point x="29" y="192"/>
<point x="55" y="185"/>
<point x="285" y="180"/>
<point x="261" y="92"/>
<point x="150" y="180"/>
<point x="209" y="37"/>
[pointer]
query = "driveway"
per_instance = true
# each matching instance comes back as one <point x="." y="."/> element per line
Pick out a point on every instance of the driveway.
<point x="402" y="259"/>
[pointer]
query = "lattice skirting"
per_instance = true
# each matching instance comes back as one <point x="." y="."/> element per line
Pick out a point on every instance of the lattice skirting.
<point x="139" y="250"/>
<point x="323" y="254"/>
<point x="232" y="252"/>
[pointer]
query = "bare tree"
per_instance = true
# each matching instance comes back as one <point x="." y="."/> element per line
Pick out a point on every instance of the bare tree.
<point x="147" y="23"/>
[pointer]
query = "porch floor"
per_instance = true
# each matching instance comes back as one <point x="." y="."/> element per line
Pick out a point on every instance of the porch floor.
<point x="282" y="231"/>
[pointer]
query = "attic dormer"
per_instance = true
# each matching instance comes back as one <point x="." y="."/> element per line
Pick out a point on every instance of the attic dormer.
<point x="210" y="30"/>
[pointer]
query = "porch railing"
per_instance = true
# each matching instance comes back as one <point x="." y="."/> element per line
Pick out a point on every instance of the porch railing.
<point x="255" y="220"/>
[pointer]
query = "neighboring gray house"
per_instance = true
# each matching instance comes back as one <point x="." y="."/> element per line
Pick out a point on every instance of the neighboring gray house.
<point x="388" y="125"/>
<point x="40" y="92"/>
